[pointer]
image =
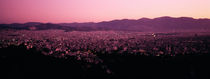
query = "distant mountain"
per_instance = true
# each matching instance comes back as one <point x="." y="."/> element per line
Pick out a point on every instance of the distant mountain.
<point x="159" y="24"/>
<point x="33" y="23"/>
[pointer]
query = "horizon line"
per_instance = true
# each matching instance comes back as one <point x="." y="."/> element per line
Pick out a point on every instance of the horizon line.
<point x="103" y="21"/>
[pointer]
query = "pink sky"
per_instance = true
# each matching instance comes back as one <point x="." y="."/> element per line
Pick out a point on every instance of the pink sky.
<point x="60" y="11"/>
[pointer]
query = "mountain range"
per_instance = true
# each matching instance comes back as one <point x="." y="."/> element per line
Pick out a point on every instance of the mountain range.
<point x="160" y="24"/>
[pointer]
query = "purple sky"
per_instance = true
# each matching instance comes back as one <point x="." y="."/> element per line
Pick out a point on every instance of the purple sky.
<point x="60" y="11"/>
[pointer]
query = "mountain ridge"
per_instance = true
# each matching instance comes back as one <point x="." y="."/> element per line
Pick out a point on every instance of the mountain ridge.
<point x="165" y="23"/>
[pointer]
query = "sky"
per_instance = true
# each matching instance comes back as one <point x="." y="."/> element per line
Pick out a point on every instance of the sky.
<point x="68" y="11"/>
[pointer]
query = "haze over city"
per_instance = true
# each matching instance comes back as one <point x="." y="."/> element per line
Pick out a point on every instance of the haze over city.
<point x="68" y="11"/>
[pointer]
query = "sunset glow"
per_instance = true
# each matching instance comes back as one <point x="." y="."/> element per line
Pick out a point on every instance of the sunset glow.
<point x="67" y="11"/>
